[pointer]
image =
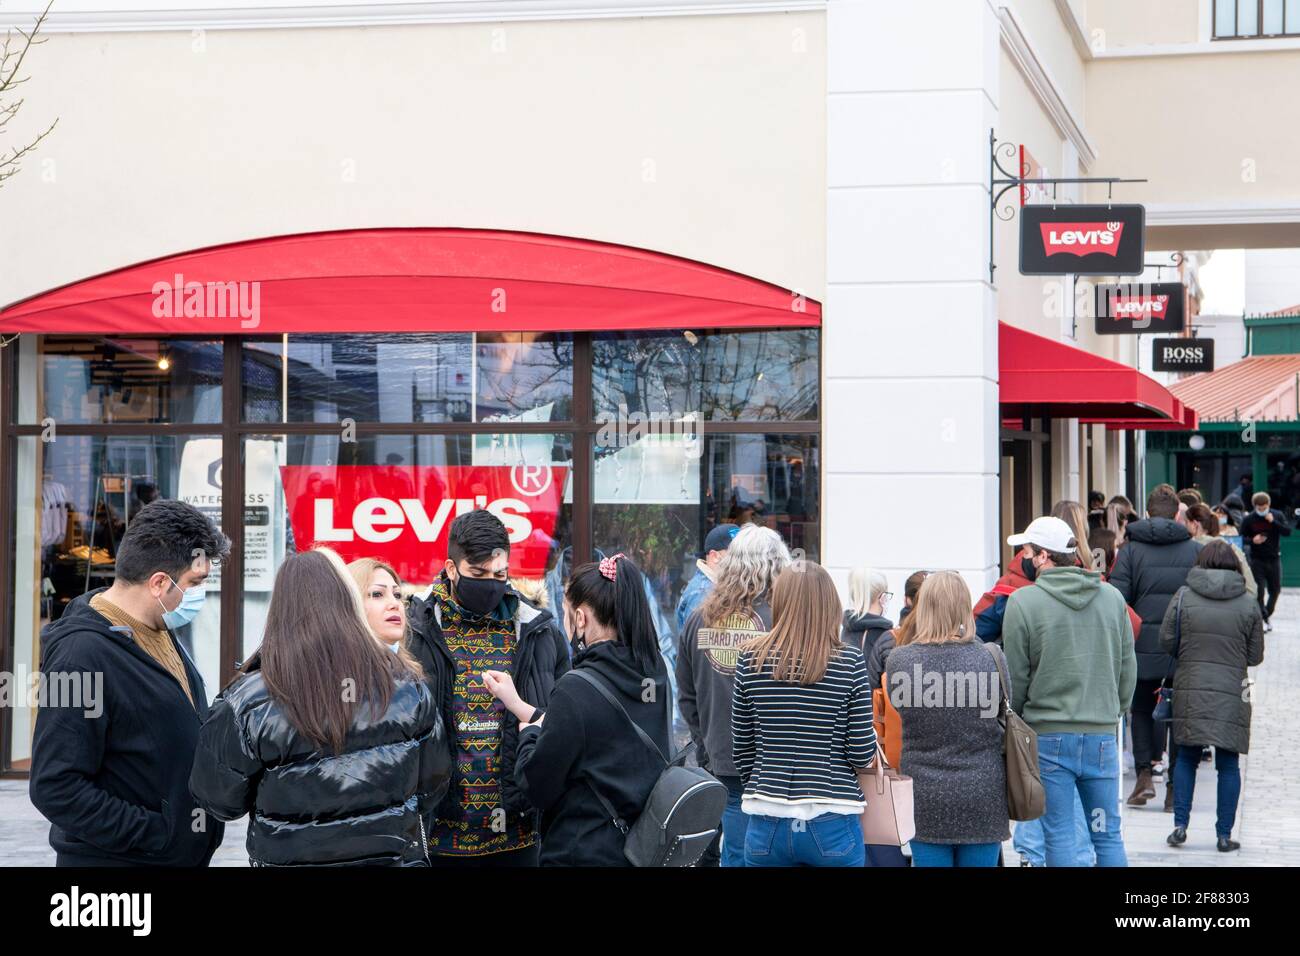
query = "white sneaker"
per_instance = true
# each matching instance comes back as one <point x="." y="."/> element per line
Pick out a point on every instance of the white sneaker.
<point x="1268" y="626"/>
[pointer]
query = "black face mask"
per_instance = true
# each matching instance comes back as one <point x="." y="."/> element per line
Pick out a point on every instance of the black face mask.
<point x="1027" y="567"/>
<point x="479" y="595"/>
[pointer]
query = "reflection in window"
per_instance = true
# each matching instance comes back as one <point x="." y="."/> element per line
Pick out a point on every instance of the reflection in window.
<point x="524" y="377"/>
<point x="92" y="380"/>
<point x="722" y="376"/>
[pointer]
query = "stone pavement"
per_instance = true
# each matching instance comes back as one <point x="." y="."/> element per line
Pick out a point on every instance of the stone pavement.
<point x="1268" y="818"/>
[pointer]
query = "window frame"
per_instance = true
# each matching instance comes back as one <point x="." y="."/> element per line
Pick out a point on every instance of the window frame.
<point x="1294" y="31"/>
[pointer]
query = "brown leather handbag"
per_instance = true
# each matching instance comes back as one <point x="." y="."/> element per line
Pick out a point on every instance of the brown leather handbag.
<point x="1026" y="798"/>
<point x="888" y="818"/>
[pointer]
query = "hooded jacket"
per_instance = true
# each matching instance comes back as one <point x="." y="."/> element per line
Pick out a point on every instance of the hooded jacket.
<point x="1069" y="648"/>
<point x="706" y="671"/>
<point x="541" y="656"/>
<point x="863" y="630"/>
<point x="990" y="609"/>
<point x="1220" y="635"/>
<point x="584" y="743"/>
<point x="115" y="785"/>
<point x="369" y="804"/>
<point x="1151" y="566"/>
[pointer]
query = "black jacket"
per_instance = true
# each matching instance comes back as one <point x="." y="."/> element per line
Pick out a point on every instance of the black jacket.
<point x="1253" y="524"/>
<point x="862" y="631"/>
<point x="115" y="786"/>
<point x="370" y="804"/>
<point x="1221" y="634"/>
<point x="541" y="656"/>
<point x="583" y="743"/>
<point x="1151" y="566"/>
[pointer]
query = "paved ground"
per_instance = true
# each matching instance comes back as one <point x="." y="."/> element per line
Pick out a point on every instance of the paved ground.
<point x="1268" y="820"/>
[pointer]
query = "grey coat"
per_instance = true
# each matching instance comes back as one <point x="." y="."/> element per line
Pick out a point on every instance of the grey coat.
<point x="952" y="749"/>
<point x="1222" y="635"/>
<point x="1151" y="566"/>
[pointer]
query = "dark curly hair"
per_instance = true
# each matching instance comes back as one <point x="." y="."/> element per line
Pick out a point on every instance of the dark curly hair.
<point x="167" y="535"/>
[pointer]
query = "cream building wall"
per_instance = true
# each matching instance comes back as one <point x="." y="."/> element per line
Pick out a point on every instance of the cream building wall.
<point x="700" y="136"/>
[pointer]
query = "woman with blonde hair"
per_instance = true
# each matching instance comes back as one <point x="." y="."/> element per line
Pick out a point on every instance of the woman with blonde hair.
<point x="383" y="602"/>
<point x="736" y="609"/>
<point x="864" y="619"/>
<point x="1072" y="513"/>
<point x="947" y="687"/>
<point x="801" y="718"/>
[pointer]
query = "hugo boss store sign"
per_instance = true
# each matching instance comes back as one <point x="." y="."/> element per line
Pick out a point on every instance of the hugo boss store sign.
<point x="1094" y="240"/>
<point x="1183" y="355"/>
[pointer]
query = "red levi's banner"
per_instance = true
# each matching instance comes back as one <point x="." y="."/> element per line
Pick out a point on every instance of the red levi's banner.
<point x="401" y="515"/>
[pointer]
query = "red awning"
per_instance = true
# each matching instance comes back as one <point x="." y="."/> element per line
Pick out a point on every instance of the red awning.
<point x="409" y="280"/>
<point x="1186" y="420"/>
<point x="1042" y="377"/>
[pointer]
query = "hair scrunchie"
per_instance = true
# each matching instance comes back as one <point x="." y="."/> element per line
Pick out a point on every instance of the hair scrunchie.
<point x="609" y="566"/>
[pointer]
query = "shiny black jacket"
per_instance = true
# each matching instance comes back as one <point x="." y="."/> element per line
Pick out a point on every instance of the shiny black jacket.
<point x="370" y="804"/>
<point x="541" y="656"/>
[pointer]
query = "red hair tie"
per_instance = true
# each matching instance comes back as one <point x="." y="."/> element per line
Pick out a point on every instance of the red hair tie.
<point x="609" y="566"/>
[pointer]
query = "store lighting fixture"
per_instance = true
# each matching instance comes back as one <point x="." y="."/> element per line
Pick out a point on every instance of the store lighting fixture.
<point x="164" y="363"/>
<point x="691" y="336"/>
<point x="1196" y="442"/>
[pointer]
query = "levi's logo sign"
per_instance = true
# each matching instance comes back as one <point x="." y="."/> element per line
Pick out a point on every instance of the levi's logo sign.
<point x="1085" y="240"/>
<point x="1081" y="238"/>
<point x="1138" y="306"/>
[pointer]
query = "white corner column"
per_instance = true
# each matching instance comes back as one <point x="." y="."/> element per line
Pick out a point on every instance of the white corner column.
<point x="911" y="419"/>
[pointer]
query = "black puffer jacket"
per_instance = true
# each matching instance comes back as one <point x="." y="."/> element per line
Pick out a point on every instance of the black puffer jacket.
<point x="1151" y="566"/>
<point x="863" y="630"/>
<point x="371" y="804"/>
<point x="585" y="742"/>
<point x="1222" y="633"/>
<point x="541" y="656"/>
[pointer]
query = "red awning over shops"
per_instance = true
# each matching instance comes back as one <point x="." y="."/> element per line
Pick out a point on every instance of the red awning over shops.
<point x="1186" y="420"/>
<point x="1041" y="377"/>
<point x="409" y="280"/>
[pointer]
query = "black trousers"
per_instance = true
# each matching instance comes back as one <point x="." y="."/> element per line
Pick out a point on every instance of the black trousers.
<point x="1268" y="575"/>
<point x="524" y="857"/>
<point x="1148" y="736"/>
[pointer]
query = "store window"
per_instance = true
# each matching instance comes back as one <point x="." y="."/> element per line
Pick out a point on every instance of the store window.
<point x="372" y="443"/>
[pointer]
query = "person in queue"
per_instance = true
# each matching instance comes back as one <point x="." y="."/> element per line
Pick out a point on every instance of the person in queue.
<point x="329" y="778"/>
<point x="880" y="650"/>
<point x="1204" y="527"/>
<point x="580" y="753"/>
<point x="716" y="543"/>
<point x="383" y="600"/>
<point x="864" y="620"/>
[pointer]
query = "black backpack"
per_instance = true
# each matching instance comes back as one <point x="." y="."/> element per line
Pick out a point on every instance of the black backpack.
<point x="684" y="810"/>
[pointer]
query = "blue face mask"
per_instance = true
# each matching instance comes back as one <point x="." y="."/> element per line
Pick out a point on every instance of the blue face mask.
<point x="187" y="610"/>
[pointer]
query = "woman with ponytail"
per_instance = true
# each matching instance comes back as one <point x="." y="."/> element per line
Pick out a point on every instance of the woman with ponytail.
<point x="582" y="745"/>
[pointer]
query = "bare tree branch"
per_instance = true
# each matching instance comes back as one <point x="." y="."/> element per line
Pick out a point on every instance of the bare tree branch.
<point x="11" y="61"/>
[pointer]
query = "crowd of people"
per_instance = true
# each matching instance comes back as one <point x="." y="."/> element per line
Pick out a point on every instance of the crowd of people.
<point x="461" y="727"/>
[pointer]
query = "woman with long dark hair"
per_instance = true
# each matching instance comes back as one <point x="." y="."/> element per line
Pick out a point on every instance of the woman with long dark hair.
<point x="332" y="742"/>
<point x="582" y="752"/>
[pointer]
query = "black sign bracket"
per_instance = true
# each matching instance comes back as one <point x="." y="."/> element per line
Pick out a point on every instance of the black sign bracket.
<point x="1008" y="181"/>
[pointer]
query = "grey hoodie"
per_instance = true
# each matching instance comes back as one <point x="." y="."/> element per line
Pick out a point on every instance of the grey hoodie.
<point x="706" y="667"/>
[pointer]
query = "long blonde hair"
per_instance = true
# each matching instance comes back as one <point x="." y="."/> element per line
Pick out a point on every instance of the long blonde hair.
<point x="805" y="632"/>
<point x="362" y="570"/>
<point x="1072" y="513"/>
<point x="752" y="562"/>
<point x="942" y="613"/>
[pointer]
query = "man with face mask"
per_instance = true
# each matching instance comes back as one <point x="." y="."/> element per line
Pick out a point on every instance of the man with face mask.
<point x="470" y="621"/>
<point x="1262" y="531"/>
<point x="111" y="764"/>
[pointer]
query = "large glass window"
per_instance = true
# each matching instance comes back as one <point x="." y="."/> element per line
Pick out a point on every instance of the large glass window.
<point x="1242" y="19"/>
<point x="91" y="380"/>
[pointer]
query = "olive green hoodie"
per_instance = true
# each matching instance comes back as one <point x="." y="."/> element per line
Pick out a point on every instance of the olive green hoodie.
<point x="1069" y="647"/>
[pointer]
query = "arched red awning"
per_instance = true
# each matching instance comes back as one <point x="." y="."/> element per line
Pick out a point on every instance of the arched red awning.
<point x="409" y="280"/>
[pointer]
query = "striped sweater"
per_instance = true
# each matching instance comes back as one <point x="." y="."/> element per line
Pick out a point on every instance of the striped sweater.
<point x="797" y="745"/>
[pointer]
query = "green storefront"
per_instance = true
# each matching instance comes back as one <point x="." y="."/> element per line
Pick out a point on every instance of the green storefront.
<point x="1249" y="434"/>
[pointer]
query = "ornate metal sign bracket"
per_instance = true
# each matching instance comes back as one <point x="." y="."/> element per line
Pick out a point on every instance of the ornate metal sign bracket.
<point x="999" y="184"/>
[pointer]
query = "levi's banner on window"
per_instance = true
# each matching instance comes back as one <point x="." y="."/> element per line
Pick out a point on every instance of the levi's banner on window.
<point x="1083" y="240"/>
<point x="1136" y="307"/>
<point x="401" y="515"/>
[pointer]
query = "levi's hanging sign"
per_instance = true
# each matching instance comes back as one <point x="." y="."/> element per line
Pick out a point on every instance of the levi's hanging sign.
<point x="1131" y="308"/>
<point x="1083" y="240"/>
<point x="1183" y="355"/>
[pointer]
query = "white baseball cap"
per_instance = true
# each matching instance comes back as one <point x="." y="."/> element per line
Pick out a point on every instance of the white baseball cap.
<point x="1046" y="532"/>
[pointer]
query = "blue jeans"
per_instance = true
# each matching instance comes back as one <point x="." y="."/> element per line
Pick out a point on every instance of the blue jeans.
<point x="1029" y="841"/>
<point x="1228" y="765"/>
<point x="1086" y="764"/>
<point x="832" y="839"/>
<point x="954" y="854"/>
<point x="735" y="822"/>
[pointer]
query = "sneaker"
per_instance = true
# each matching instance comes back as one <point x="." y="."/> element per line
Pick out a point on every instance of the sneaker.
<point x="1268" y="626"/>
<point x="1178" y="837"/>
